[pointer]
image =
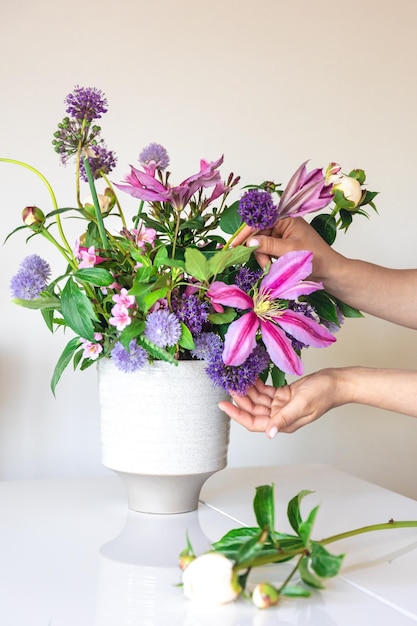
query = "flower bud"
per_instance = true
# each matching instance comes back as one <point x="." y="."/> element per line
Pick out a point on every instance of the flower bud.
<point x="332" y="173"/>
<point x="32" y="216"/>
<point x="185" y="560"/>
<point x="265" y="595"/>
<point x="351" y="189"/>
<point x="104" y="201"/>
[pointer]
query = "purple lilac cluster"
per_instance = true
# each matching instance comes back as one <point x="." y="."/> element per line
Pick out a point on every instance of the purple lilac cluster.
<point x="31" y="278"/>
<point x="163" y="328"/>
<point x="257" y="209"/>
<point x="102" y="163"/>
<point x="191" y="311"/>
<point x="129" y="360"/>
<point x="237" y="379"/>
<point x="86" y="103"/>
<point x="246" y="278"/>
<point x="309" y="311"/>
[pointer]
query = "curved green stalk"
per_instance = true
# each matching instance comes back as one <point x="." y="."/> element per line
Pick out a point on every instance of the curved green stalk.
<point x="51" y="193"/>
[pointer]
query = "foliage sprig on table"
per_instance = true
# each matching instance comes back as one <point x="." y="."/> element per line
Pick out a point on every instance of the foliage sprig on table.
<point x="166" y="283"/>
<point x="222" y="574"/>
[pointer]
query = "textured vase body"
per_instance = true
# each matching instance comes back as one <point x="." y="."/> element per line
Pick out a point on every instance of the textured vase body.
<point x="162" y="432"/>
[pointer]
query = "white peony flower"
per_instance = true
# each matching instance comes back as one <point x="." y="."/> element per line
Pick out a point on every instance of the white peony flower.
<point x="211" y="580"/>
<point x="350" y="187"/>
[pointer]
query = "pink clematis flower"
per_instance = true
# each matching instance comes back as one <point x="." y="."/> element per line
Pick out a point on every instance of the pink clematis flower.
<point x="304" y="193"/>
<point x="146" y="187"/>
<point x="268" y="314"/>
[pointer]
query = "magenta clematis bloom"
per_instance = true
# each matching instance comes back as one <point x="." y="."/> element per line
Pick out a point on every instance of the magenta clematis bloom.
<point x="305" y="192"/>
<point x="284" y="281"/>
<point x="146" y="187"/>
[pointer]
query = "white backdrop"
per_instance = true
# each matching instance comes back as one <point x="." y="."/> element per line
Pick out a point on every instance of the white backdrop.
<point x="268" y="84"/>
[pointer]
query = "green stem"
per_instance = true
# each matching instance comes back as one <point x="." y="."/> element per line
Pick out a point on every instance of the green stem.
<point x="291" y="574"/>
<point x="119" y="207"/>
<point x="137" y="218"/>
<point x="283" y="555"/>
<point x="99" y="217"/>
<point x="367" y="529"/>
<point x="235" y="234"/>
<point x="177" y="228"/>
<point x="52" y="195"/>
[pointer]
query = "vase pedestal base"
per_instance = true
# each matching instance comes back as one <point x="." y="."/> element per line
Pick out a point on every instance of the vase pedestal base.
<point x="163" y="494"/>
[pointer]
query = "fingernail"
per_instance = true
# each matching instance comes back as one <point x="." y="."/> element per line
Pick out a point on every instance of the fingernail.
<point x="273" y="432"/>
<point x="253" y="242"/>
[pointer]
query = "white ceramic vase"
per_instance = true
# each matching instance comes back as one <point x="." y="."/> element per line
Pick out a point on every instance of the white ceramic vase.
<point x="162" y="432"/>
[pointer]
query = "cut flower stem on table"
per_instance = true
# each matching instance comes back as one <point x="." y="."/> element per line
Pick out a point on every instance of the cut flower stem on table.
<point x="222" y="574"/>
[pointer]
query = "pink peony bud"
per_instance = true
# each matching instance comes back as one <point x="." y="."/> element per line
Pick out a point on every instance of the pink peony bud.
<point x="265" y="595"/>
<point x="32" y="216"/>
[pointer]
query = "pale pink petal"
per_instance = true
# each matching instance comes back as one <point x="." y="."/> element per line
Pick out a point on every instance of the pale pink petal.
<point x="240" y="339"/>
<point x="286" y="272"/>
<point x="230" y="295"/>
<point x="302" y="289"/>
<point x="279" y="348"/>
<point x="305" y="329"/>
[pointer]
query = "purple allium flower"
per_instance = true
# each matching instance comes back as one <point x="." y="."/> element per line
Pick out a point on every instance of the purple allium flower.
<point x="239" y="378"/>
<point x="27" y="284"/>
<point x="154" y="157"/>
<point x="102" y="163"/>
<point x="163" y="328"/>
<point x="38" y="265"/>
<point x="31" y="278"/>
<point x="190" y="310"/>
<point x="206" y="345"/>
<point x="129" y="361"/>
<point x="86" y="103"/>
<point x="257" y="209"/>
<point x="246" y="278"/>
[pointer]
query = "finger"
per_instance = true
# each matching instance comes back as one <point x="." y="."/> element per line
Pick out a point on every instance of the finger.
<point x="246" y="232"/>
<point x="253" y="402"/>
<point x="250" y="422"/>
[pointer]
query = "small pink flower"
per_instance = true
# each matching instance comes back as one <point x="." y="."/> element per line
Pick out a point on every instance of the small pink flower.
<point x="92" y="350"/>
<point x="144" y="235"/>
<point x="123" y="299"/>
<point x="121" y="317"/>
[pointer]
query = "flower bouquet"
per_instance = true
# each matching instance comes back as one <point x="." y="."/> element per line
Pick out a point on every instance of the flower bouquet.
<point x="167" y="283"/>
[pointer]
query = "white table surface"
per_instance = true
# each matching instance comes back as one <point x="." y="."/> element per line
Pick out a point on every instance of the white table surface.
<point x="71" y="554"/>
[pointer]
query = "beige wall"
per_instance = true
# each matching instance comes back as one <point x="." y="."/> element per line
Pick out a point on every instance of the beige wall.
<point x="269" y="84"/>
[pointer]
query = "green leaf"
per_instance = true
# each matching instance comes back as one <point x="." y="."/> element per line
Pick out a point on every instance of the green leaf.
<point x="231" y="220"/>
<point x="293" y="510"/>
<point x="223" y="318"/>
<point x="307" y="576"/>
<point x="95" y="275"/>
<point x="156" y="351"/>
<point x="161" y="256"/>
<point x="295" y="591"/>
<point x="347" y="310"/>
<point x="278" y="377"/>
<point x="131" y="332"/>
<point x="77" y="310"/>
<point x="325" y="225"/>
<point x="251" y="548"/>
<point x="153" y="296"/>
<point x="263" y="506"/>
<point x="186" y="340"/>
<point x="64" y="360"/>
<point x="43" y="302"/>
<point x="325" y="565"/>
<point x="196" y="264"/>
<point x="324" y="305"/>
<point x="305" y="528"/>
